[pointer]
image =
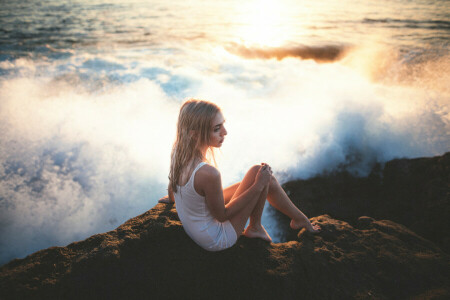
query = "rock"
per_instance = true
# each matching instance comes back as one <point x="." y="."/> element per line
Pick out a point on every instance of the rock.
<point x="365" y="222"/>
<point x="358" y="255"/>
<point x="412" y="192"/>
<point x="150" y="256"/>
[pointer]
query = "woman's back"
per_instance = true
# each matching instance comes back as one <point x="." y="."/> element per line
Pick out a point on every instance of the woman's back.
<point x="187" y="198"/>
<point x="197" y="220"/>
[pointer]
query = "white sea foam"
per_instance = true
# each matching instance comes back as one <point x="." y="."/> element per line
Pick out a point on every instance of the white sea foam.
<point x="85" y="142"/>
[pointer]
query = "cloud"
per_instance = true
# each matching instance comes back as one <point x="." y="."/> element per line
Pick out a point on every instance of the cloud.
<point x="320" y="54"/>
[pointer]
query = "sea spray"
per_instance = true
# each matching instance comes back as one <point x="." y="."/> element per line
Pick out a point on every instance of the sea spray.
<point x="90" y="95"/>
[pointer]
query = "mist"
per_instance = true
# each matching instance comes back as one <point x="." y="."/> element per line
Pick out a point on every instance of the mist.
<point x="85" y="145"/>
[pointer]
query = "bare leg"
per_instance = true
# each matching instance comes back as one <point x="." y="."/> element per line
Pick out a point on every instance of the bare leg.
<point x="239" y="220"/>
<point x="255" y="217"/>
<point x="255" y="228"/>
<point x="277" y="198"/>
<point x="229" y="191"/>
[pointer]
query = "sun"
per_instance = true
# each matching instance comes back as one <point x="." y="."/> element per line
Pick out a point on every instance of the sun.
<point x="263" y="23"/>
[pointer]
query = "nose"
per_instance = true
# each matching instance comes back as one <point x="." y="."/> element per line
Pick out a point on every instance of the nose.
<point x="224" y="132"/>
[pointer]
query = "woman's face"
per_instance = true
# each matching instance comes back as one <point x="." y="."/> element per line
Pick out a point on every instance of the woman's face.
<point x="218" y="131"/>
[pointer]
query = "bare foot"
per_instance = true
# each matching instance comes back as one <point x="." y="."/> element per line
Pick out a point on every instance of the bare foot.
<point x="257" y="232"/>
<point x="313" y="228"/>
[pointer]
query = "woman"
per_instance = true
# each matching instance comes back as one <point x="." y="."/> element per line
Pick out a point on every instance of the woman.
<point x="214" y="217"/>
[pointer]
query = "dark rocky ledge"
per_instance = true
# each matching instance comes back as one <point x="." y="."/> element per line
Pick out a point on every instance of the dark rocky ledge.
<point x="150" y="256"/>
<point x="412" y="192"/>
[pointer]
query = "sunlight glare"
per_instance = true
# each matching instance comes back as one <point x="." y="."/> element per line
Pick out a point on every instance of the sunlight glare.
<point x="263" y="23"/>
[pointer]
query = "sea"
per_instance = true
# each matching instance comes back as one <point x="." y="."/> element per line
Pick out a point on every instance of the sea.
<point x="90" y="93"/>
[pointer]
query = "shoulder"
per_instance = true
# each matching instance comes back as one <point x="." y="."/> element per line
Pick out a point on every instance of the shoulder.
<point x="207" y="179"/>
<point x="208" y="172"/>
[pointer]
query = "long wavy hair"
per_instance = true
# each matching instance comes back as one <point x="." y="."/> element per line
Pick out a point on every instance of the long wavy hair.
<point x="193" y="132"/>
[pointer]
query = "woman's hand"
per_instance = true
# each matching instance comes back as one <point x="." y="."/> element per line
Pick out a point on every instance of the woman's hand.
<point x="264" y="175"/>
<point x="165" y="199"/>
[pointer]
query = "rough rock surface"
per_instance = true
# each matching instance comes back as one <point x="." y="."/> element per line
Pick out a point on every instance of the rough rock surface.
<point x="354" y="257"/>
<point x="412" y="192"/>
<point x="150" y="256"/>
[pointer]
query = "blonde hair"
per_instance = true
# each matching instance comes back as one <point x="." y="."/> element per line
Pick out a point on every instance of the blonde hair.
<point x="193" y="132"/>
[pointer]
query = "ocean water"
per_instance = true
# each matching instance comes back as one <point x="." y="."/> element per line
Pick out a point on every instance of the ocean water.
<point x="90" y="91"/>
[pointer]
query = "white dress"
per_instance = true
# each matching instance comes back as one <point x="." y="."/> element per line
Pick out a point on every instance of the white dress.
<point x="199" y="224"/>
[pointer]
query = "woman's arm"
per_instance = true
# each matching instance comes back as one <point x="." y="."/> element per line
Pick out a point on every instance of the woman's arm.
<point x="171" y="198"/>
<point x="209" y="182"/>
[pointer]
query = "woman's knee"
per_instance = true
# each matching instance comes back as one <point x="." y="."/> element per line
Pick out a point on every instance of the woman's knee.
<point x="254" y="169"/>
<point x="251" y="174"/>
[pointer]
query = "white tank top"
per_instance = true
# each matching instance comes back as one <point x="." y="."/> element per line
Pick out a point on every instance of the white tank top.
<point x="197" y="220"/>
<point x="188" y="200"/>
